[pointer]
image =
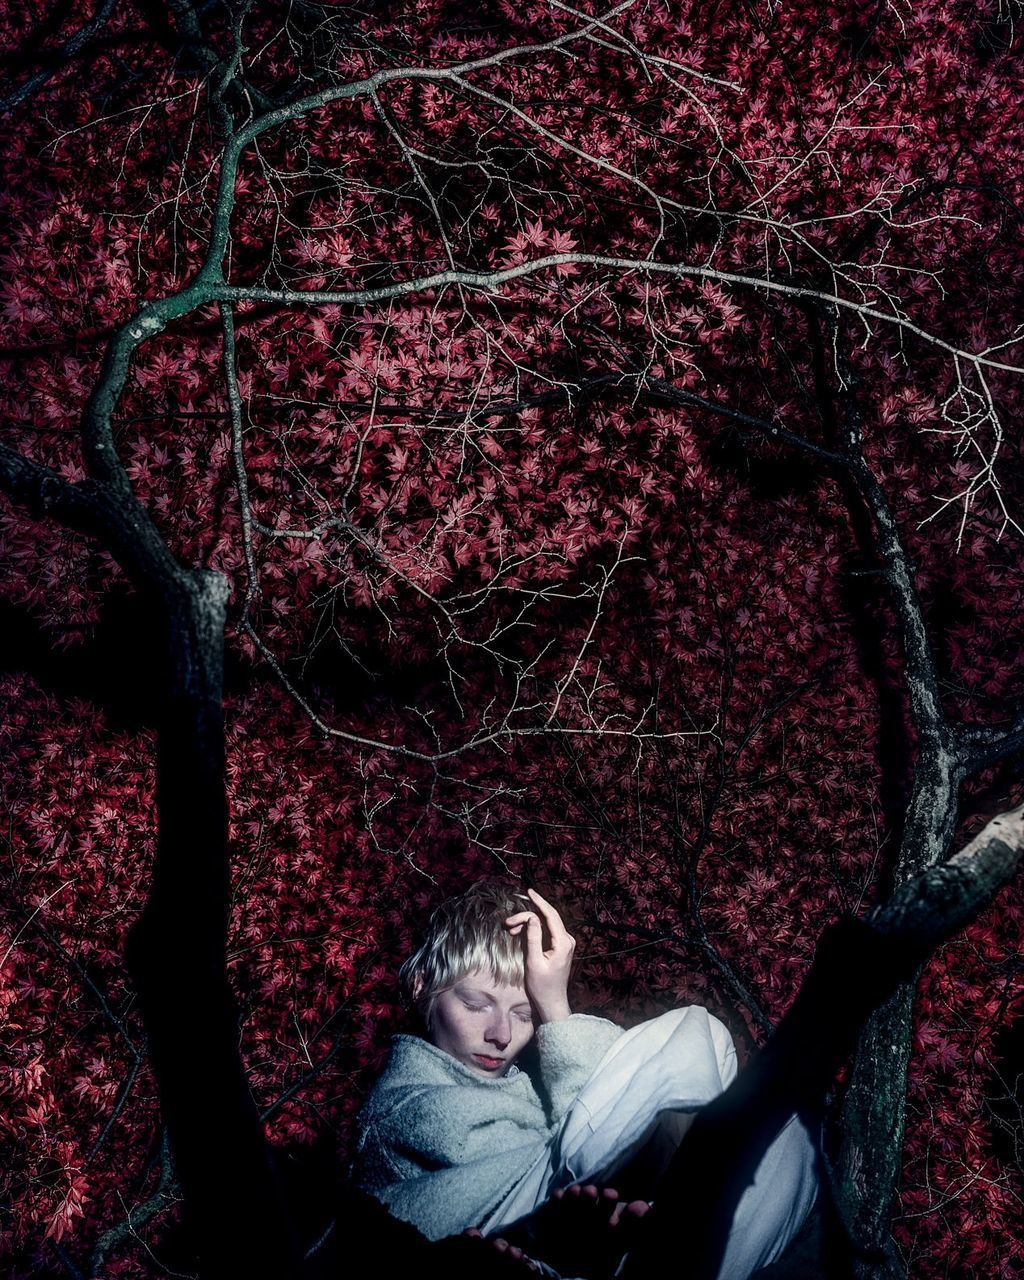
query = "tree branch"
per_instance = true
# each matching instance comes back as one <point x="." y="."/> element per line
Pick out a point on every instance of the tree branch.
<point x="982" y="746"/>
<point x="57" y="61"/>
<point x="857" y="966"/>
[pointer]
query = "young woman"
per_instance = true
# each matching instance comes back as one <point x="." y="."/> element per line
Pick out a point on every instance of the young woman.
<point x="456" y="1135"/>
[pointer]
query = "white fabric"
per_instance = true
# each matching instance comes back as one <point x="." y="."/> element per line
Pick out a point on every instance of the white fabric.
<point x="672" y="1064"/>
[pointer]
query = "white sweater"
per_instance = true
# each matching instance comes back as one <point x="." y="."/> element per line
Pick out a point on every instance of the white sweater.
<point x="441" y="1146"/>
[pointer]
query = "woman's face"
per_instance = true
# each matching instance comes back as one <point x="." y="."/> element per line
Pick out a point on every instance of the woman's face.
<point x="484" y="1024"/>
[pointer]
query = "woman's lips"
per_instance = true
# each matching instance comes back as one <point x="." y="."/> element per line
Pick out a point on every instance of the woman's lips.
<point x="490" y="1063"/>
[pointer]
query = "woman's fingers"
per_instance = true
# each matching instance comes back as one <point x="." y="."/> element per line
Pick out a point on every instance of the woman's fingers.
<point x="534" y="941"/>
<point x="529" y="921"/>
<point x="550" y="914"/>
<point x="560" y="936"/>
<point x="546" y="975"/>
<point x="559" y="953"/>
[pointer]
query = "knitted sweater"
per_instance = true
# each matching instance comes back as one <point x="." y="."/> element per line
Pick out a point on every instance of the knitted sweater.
<point x="441" y="1146"/>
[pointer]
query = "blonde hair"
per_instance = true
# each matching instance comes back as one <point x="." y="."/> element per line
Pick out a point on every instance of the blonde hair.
<point x="466" y="934"/>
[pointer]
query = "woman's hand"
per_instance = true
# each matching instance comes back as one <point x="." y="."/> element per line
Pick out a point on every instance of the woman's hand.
<point x="547" y="972"/>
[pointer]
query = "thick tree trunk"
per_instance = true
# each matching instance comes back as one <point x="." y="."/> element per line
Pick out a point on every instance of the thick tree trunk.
<point x="874" y="1108"/>
<point x="177" y="957"/>
<point x="177" y="951"/>
<point x="871" y="1153"/>
<point x="858" y="964"/>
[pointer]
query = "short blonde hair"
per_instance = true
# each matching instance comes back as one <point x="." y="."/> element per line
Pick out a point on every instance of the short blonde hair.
<point x="466" y="934"/>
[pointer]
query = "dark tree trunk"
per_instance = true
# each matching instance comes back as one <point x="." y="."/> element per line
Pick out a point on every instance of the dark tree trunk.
<point x="870" y="1158"/>
<point x="177" y="958"/>
<point x="858" y="964"/>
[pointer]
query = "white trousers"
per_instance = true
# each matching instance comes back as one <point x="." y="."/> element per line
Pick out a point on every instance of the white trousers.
<point x="641" y="1097"/>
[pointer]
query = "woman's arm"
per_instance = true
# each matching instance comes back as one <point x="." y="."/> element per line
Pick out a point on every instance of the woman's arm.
<point x="569" y="1046"/>
<point x="443" y="1157"/>
<point x="568" y="1052"/>
<point x="547" y="969"/>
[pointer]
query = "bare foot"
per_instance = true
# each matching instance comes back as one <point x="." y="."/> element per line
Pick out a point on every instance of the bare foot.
<point x="601" y="1205"/>
<point x="585" y="1229"/>
<point x="496" y="1256"/>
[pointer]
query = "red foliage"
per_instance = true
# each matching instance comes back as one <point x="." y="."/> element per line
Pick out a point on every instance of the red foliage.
<point x="615" y="639"/>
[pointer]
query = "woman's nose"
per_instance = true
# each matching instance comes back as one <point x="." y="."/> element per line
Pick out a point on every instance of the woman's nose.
<point x="499" y="1032"/>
